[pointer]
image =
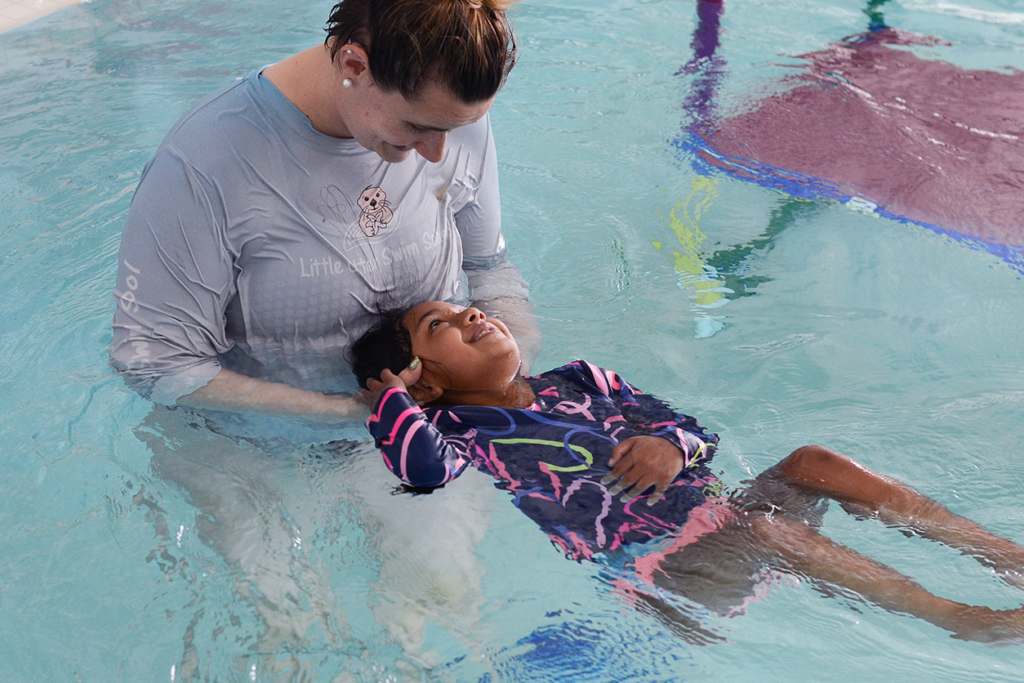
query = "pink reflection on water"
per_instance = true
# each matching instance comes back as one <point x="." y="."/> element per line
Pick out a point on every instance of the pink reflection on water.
<point x="923" y="138"/>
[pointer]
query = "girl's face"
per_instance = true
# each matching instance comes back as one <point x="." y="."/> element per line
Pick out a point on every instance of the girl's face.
<point x="462" y="350"/>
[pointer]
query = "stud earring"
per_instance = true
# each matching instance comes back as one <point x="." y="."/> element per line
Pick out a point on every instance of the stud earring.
<point x="346" y="83"/>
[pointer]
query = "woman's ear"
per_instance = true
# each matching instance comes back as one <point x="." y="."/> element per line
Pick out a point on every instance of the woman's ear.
<point x="354" y="60"/>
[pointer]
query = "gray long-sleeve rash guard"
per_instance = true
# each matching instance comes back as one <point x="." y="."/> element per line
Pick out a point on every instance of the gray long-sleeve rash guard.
<point x="256" y="243"/>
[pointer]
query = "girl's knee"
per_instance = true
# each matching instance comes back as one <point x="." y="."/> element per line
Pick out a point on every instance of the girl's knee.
<point x="808" y="459"/>
<point x="837" y="476"/>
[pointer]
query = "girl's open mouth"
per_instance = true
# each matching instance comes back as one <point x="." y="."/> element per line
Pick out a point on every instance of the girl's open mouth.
<point x="482" y="331"/>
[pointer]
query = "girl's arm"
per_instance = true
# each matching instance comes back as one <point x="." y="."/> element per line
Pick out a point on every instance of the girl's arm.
<point x="412" y="447"/>
<point x="672" y="443"/>
<point x="647" y="414"/>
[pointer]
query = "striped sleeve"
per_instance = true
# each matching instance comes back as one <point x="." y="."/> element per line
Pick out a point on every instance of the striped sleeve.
<point x="413" y="449"/>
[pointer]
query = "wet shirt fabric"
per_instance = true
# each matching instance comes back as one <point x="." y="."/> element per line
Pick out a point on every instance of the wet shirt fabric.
<point x="257" y="243"/>
<point x="552" y="456"/>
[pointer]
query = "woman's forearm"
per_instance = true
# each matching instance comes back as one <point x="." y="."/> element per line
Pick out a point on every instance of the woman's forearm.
<point x="230" y="390"/>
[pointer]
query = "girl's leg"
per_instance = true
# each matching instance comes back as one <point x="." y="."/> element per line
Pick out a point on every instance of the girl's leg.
<point x="804" y="550"/>
<point x="862" y="491"/>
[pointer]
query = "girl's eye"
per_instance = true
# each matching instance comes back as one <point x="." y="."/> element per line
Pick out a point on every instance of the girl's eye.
<point x="433" y="324"/>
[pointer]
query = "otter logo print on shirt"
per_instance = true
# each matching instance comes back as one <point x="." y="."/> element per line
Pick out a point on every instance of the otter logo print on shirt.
<point x="375" y="212"/>
<point x="371" y="212"/>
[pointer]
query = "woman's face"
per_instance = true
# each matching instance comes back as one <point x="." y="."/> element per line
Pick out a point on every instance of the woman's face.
<point x="392" y="126"/>
<point x="462" y="349"/>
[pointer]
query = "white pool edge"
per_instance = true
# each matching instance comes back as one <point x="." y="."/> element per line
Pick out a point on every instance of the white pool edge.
<point x="17" y="12"/>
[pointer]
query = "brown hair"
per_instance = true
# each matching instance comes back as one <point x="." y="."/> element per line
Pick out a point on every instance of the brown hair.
<point x="466" y="46"/>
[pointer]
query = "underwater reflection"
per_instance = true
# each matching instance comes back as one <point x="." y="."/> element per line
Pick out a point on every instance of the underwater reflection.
<point x="923" y="138"/>
<point x="307" y="531"/>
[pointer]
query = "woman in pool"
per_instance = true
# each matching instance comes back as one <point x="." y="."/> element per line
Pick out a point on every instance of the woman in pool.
<point x="565" y="443"/>
<point x="278" y="211"/>
<point x="273" y="217"/>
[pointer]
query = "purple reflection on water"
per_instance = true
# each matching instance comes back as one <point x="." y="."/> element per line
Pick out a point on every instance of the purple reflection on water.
<point x="705" y="66"/>
<point x="925" y="139"/>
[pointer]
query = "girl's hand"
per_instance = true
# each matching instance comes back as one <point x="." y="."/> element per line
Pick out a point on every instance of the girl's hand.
<point x="388" y="380"/>
<point x="643" y="462"/>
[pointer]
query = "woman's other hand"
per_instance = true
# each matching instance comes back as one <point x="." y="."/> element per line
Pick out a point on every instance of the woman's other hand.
<point x="643" y="462"/>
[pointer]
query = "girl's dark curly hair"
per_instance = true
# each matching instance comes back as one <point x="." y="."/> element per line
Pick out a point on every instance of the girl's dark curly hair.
<point x="385" y="345"/>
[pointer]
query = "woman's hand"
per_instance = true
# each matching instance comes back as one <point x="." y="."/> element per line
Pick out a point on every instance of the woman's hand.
<point x="388" y="380"/>
<point x="643" y="462"/>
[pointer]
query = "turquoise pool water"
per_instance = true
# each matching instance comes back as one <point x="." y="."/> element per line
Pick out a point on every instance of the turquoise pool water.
<point x="136" y="547"/>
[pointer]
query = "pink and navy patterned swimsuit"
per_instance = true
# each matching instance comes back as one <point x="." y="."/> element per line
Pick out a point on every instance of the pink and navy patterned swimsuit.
<point x="552" y="456"/>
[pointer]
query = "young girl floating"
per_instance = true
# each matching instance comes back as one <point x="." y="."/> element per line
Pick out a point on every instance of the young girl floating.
<point x="567" y="442"/>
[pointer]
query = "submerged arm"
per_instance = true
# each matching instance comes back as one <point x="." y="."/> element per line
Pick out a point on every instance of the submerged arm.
<point x="230" y="390"/>
<point x="496" y="286"/>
